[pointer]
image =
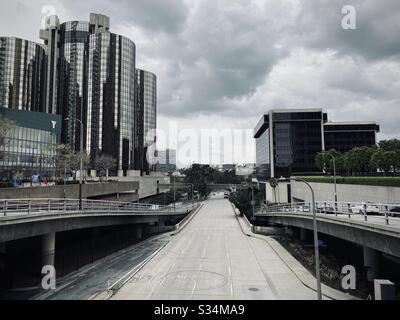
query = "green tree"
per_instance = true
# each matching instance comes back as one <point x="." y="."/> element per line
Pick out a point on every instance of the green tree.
<point x="384" y="160"/>
<point x="104" y="163"/>
<point x="324" y="161"/>
<point x="359" y="159"/>
<point x="389" y="145"/>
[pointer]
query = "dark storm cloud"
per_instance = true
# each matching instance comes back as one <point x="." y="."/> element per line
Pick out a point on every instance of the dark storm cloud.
<point x="152" y="15"/>
<point x="376" y="36"/>
<point x="238" y="58"/>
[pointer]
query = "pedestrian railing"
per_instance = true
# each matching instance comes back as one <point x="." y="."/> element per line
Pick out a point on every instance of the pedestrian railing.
<point x="380" y="212"/>
<point x="17" y="207"/>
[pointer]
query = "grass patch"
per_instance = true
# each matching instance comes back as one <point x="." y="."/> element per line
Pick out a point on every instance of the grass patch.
<point x="367" y="181"/>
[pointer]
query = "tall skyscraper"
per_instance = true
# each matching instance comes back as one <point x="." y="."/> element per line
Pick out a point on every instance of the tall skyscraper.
<point x="111" y="98"/>
<point x="146" y="117"/>
<point x="86" y="74"/>
<point x="22" y="74"/>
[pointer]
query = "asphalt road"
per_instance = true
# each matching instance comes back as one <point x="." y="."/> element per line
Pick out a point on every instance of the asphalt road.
<point x="213" y="259"/>
<point x="93" y="278"/>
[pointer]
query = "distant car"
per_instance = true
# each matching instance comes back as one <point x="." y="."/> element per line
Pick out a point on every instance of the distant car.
<point x="395" y="211"/>
<point x="370" y="208"/>
<point x="303" y="209"/>
<point x="325" y="208"/>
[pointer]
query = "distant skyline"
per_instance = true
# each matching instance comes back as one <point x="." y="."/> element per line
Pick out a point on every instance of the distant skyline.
<point x="222" y="64"/>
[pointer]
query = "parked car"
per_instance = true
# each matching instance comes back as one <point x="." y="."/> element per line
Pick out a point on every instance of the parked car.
<point x="370" y="208"/>
<point x="302" y="208"/>
<point x="325" y="208"/>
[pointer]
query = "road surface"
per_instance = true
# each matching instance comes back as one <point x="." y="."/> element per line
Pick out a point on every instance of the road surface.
<point x="213" y="259"/>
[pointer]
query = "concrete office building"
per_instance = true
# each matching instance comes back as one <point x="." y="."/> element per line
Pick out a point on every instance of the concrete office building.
<point x="344" y="136"/>
<point x="145" y="118"/>
<point x="22" y="74"/>
<point x="287" y="142"/>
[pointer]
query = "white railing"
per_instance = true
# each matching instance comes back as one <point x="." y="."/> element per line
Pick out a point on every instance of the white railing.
<point x="339" y="209"/>
<point x="20" y="207"/>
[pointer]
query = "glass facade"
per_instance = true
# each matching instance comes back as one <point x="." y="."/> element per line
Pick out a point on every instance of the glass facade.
<point x="71" y="78"/>
<point x="146" y="117"/>
<point x="345" y="136"/>
<point x="31" y="143"/>
<point x="22" y="74"/>
<point x="298" y="135"/>
<point x="111" y="98"/>
<point x="296" y="140"/>
<point x="263" y="163"/>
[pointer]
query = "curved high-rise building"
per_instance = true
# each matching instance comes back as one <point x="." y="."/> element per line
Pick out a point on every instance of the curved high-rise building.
<point x="146" y="117"/>
<point x="22" y="74"/>
<point x="111" y="98"/>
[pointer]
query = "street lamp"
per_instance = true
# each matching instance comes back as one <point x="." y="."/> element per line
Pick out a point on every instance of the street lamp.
<point x="174" y="174"/>
<point x="334" y="177"/>
<point x="316" y="244"/>
<point x="81" y="161"/>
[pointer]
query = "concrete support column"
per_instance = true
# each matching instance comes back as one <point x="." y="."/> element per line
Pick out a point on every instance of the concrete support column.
<point x="93" y="173"/>
<point x="289" y="231"/>
<point x="138" y="232"/>
<point x="120" y="173"/>
<point x="371" y="262"/>
<point x="48" y="248"/>
<point x="303" y="234"/>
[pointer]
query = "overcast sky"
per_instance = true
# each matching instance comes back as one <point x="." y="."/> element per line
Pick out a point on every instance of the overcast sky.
<point x="222" y="63"/>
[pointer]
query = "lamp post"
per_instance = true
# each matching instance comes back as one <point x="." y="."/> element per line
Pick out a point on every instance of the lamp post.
<point x="174" y="174"/>
<point x="316" y="244"/>
<point x="334" y="177"/>
<point x="81" y="161"/>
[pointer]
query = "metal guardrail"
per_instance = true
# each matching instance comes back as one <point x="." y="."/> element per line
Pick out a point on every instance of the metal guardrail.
<point x="21" y="207"/>
<point x="342" y="209"/>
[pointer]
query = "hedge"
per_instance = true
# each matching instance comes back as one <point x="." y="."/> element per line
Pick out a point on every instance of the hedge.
<point x="369" y="181"/>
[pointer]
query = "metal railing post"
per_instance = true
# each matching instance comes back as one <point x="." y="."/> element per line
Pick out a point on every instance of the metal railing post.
<point x="387" y="214"/>
<point x="48" y="206"/>
<point x="29" y="206"/>
<point x="349" y="210"/>
<point x="65" y="205"/>
<point x="365" y="212"/>
<point x="5" y="207"/>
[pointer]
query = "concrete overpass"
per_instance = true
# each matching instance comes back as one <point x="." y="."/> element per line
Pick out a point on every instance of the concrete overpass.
<point x="24" y="219"/>
<point x="377" y="233"/>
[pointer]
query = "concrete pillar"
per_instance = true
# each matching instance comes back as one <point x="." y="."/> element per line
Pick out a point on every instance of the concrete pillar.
<point x="138" y="232"/>
<point x="120" y="173"/>
<point x="371" y="262"/>
<point x="48" y="248"/>
<point x="93" y="173"/>
<point x="303" y="234"/>
<point x="289" y="231"/>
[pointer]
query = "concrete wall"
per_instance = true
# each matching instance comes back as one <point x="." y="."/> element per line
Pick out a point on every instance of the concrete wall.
<point x="277" y="195"/>
<point x="148" y="184"/>
<point x="71" y="191"/>
<point x="346" y="193"/>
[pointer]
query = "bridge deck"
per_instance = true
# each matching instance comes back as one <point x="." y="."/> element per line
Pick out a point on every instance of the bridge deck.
<point x="212" y="259"/>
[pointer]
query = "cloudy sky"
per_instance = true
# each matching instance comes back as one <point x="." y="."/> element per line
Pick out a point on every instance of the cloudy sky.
<point x="222" y="63"/>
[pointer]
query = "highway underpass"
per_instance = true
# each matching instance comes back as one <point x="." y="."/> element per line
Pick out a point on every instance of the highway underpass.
<point x="213" y="257"/>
